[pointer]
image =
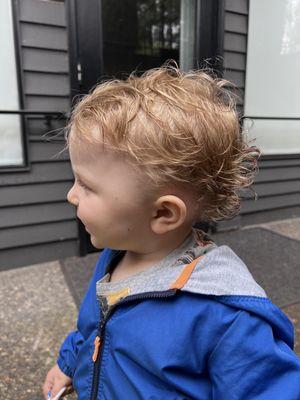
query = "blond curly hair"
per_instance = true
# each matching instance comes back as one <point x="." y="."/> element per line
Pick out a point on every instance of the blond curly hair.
<point x="177" y="127"/>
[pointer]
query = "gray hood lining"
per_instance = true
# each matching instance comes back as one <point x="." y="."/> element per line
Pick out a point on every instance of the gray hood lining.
<point x="219" y="272"/>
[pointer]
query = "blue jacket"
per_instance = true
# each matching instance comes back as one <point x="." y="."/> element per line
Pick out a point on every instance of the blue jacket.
<point x="205" y="331"/>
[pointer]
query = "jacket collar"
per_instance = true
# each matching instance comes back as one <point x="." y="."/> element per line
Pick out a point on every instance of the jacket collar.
<point x="197" y="266"/>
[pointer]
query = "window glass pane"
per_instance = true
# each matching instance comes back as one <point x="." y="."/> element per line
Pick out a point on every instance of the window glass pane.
<point x="276" y="136"/>
<point x="11" y="152"/>
<point x="143" y="34"/>
<point x="273" y="79"/>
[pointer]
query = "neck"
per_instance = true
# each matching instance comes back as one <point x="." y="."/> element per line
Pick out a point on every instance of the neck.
<point x="143" y="260"/>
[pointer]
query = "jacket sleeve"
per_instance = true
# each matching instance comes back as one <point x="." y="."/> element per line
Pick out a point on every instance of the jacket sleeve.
<point x="68" y="353"/>
<point x="87" y="318"/>
<point x="249" y="363"/>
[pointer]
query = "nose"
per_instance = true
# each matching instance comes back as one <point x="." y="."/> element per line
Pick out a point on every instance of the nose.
<point x="72" y="197"/>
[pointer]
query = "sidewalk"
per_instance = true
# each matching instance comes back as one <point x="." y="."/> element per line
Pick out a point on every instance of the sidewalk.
<point x="40" y="302"/>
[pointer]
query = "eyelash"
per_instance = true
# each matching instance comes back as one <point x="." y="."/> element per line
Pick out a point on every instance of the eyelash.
<point x="83" y="185"/>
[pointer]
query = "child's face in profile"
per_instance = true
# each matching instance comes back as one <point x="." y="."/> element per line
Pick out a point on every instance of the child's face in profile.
<point x="110" y="198"/>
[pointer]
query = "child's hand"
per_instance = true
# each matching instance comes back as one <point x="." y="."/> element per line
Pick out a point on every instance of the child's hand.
<point x="55" y="380"/>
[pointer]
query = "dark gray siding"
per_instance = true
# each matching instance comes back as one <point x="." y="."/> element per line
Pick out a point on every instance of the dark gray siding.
<point x="278" y="182"/>
<point x="235" y="44"/>
<point x="36" y="222"/>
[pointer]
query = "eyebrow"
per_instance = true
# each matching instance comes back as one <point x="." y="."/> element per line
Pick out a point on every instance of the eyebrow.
<point x="82" y="178"/>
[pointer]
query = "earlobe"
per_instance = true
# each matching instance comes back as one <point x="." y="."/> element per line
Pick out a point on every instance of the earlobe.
<point x="169" y="214"/>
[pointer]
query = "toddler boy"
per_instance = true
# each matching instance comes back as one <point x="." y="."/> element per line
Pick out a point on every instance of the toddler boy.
<point x="168" y="313"/>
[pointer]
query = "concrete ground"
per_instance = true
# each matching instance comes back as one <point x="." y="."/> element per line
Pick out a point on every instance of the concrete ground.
<point x="39" y="303"/>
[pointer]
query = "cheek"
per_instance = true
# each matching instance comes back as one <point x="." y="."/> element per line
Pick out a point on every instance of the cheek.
<point x="119" y="209"/>
<point x="86" y="210"/>
<point x="135" y="215"/>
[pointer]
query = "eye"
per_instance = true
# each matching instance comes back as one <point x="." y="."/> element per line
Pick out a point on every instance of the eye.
<point x="83" y="185"/>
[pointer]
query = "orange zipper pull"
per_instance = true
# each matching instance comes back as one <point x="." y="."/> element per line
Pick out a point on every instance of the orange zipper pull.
<point x="97" y="343"/>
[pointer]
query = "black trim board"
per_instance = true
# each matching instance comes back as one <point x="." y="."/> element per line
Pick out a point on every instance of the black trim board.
<point x="210" y="35"/>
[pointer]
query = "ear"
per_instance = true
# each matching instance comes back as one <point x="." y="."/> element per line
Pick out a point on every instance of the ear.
<point x="169" y="213"/>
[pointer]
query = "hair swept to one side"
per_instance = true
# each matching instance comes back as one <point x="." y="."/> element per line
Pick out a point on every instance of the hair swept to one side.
<point x="177" y="127"/>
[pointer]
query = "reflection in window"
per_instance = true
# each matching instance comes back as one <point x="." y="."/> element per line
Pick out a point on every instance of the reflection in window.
<point x="143" y="34"/>
<point x="291" y="36"/>
<point x="11" y="152"/>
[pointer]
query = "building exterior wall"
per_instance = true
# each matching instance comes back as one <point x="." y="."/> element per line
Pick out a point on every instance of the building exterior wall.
<point x="36" y="222"/>
<point x="278" y="182"/>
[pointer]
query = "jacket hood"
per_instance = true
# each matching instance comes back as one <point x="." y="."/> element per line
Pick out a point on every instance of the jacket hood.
<point x="200" y="267"/>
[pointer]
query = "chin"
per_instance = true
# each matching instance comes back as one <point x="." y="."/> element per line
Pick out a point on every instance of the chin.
<point x="94" y="241"/>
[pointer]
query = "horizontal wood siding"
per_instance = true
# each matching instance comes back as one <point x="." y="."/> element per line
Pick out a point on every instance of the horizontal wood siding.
<point x="36" y="222"/>
<point x="278" y="182"/>
<point x="48" y="171"/>
<point x="277" y="186"/>
<point x="43" y="37"/>
<point x="45" y="84"/>
<point x="27" y="194"/>
<point x="235" y="45"/>
<point x="22" y="256"/>
<point x="44" y="60"/>
<point x="43" y="103"/>
<point x="35" y="214"/>
<point x="39" y="234"/>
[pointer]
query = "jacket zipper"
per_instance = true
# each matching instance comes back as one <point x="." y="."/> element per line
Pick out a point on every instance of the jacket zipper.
<point x="99" y="343"/>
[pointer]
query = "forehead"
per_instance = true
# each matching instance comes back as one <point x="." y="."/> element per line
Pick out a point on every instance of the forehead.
<point x="83" y="146"/>
<point x="81" y="151"/>
<point x="111" y="168"/>
<point x="107" y="166"/>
